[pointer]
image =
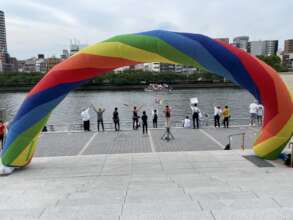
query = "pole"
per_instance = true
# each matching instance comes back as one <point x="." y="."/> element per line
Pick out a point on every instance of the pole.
<point x="291" y="147"/>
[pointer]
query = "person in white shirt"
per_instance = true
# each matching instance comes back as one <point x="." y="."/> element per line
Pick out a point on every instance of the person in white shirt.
<point x="253" y="113"/>
<point x="259" y="114"/>
<point x="217" y="115"/>
<point x="85" y="116"/>
<point x="195" y="115"/>
<point x="187" y="122"/>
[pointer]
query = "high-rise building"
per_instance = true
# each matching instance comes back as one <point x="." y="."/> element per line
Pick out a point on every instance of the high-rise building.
<point x="288" y="46"/>
<point x="3" y="45"/>
<point x="256" y="48"/>
<point x="271" y="47"/>
<point x="263" y="48"/>
<point x="241" y="42"/>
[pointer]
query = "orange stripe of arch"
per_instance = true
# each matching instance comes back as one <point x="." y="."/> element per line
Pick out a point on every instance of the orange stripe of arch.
<point x="82" y="67"/>
<point x="284" y="100"/>
<point x="82" y="60"/>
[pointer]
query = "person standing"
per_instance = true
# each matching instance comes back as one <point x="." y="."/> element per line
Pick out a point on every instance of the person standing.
<point x="155" y="119"/>
<point x="167" y="112"/>
<point x="217" y="116"/>
<point x="195" y="115"/>
<point x="253" y="113"/>
<point x="2" y="134"/>
<point x="116" y="119"/>
<point x="144" y="119"/>
<point x="135" y="118"/>
<point x="259" y="114"/>
<point x="85" y="116"/>
<point x="226" y="115"/>
<point x="100" y="120"/>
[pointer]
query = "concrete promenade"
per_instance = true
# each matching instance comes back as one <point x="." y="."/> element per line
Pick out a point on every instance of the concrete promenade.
<point x="125" y="176"/>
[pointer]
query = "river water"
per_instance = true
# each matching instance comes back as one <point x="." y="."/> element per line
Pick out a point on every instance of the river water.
<point x="68" y="112"/>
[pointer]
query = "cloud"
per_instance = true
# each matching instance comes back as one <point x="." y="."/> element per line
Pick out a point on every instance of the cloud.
<point x="47" y="26"/>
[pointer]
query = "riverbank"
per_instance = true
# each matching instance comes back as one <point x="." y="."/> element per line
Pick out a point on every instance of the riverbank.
<point x="201" y="85"/>
<point x="25" y="82"/>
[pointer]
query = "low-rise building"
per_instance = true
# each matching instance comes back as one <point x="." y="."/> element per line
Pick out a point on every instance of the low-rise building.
<point x="41" y="64"/>
<point x="52" y="61"/>
<point x="287" y="58"/>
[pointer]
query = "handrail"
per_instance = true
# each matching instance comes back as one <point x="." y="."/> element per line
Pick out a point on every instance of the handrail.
<point x="128" y="123"/>
<point x="291" y="147"/>
<point x="228" y="146"/>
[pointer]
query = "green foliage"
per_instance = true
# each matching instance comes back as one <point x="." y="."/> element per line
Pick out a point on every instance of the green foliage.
<point x="19" y="79"/>
<point x="274" y="61"/>
<point x="141" y="77"/>
<point x="130" y="77"/>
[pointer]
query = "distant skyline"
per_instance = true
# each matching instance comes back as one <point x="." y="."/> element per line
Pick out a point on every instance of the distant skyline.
<point x="48" y="26"/>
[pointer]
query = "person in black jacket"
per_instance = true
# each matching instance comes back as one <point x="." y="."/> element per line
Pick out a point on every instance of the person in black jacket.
<point x="116" y="119"/>
<point x="144" y="119"/>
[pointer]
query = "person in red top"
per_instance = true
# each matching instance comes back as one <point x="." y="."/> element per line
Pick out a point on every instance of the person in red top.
<point x="2" y="133"/>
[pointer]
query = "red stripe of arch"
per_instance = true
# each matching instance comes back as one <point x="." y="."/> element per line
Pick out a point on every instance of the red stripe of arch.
<point x="267" y="80"/>
<point x="261" y="78"/>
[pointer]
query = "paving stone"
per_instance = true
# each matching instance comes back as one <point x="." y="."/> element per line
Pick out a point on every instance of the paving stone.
<point x="160" y="185"/>
<point x="62" y="144"/>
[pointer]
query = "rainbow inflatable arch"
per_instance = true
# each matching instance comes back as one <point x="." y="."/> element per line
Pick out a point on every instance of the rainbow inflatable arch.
<point x="154" y="46"/>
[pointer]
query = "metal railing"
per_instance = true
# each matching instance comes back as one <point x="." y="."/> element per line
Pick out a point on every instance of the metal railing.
<point x="291" y="148"/>
<point x="127" y="124"/>
<point x="242" y="134"/>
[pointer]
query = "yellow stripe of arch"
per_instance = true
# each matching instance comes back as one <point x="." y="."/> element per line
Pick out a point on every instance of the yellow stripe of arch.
<point x="120" y="50"/>
<point x="26" y="154"/>
<point x="269" y="145"/>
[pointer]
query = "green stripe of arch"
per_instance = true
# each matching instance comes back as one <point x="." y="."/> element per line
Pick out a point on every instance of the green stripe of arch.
<point x="155" y="44"/>
<point x="23" y="141"/>
<point x="275" y="154"/>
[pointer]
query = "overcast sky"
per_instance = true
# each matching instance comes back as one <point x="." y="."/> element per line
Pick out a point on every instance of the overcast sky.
<point x="46" y="26"/>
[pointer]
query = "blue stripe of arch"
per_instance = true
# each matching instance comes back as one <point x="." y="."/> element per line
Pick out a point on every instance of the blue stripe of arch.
<point x="230" y="61"/>
<point x="30" y="119"/>
<point x="44" y="96"/>
<point x="36" y="107"/>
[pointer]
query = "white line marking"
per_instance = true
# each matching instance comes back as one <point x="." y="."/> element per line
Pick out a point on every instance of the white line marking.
<point x="152" y="142"/>
<point x="87" y="144"/>
<point x="212" y="138"/>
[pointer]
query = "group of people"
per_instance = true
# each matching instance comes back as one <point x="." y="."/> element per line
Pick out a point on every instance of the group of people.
<point x="85" y="116"/>
<point x="198" y="116"/>
<point x="256" y="111"/>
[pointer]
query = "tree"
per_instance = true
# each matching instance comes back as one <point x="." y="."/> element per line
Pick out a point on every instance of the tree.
<point x="274" y="61"/>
